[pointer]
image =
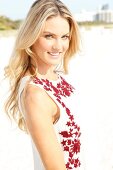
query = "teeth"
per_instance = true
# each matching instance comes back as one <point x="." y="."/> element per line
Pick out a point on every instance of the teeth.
<point x="54" y="54"/>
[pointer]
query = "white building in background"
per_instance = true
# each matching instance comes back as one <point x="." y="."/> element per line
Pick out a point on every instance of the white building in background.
<point x="103" y="14"/>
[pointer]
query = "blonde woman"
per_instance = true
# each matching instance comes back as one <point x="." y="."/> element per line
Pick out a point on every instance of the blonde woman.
<point x="40" y="98"/>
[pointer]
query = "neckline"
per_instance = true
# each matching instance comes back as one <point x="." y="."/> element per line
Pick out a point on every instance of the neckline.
<point x="53" y="81"/>
<point x="50" y="80"/>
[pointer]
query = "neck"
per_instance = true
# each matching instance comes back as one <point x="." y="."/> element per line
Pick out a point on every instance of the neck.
<point x="45" y="70"/>
<point x="50" y="75"/>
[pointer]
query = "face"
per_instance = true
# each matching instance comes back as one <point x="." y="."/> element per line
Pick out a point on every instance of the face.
<point x="53" y="41"/>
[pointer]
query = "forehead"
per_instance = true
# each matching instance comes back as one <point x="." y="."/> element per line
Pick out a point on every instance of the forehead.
<point x="56" y="25"/>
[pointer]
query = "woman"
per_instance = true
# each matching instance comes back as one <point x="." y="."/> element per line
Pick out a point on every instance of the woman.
<point x="40" y="97"/>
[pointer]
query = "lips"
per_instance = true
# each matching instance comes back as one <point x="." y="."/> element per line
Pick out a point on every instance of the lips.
<point x="55" y="55"/>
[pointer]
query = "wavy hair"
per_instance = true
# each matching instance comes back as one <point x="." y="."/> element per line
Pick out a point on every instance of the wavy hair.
<point x="22" y="54"/>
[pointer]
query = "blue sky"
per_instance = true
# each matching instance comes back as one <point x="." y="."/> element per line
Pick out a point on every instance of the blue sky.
<point x="17" y="9"/>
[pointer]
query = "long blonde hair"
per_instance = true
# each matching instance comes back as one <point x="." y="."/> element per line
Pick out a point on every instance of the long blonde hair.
<point x="22" y="54"/>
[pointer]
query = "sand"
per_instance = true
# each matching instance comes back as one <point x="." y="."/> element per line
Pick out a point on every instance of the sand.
<point x="91" y="71"/>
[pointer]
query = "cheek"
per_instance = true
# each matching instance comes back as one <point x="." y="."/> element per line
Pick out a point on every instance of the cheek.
<point x="44" y="45"/>
<point x="66" y="46"/>
<point x="41" y="46"/>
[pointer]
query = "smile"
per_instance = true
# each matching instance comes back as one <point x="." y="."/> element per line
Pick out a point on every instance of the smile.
<point x="54" y="55"/>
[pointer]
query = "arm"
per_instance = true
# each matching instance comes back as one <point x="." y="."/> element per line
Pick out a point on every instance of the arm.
<point x="39" y="109"/>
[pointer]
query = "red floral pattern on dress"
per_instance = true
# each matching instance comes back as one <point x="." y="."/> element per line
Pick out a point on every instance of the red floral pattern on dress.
<point x="70" y="138"/>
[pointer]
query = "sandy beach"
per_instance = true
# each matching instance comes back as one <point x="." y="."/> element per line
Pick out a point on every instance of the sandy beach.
<point x="91" y="71"/>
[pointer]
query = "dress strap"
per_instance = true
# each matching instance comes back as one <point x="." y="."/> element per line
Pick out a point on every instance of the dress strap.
<point x="23" y="82"/>
<point x="27" y="80"/>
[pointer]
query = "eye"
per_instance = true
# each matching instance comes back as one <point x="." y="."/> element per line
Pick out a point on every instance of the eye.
<point x="48" y="36"/>
<point x="65" y="37"/>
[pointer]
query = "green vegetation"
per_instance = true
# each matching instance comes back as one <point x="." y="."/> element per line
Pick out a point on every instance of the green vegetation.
<point x="95" y="24"/>
<point x="8" y="24"/>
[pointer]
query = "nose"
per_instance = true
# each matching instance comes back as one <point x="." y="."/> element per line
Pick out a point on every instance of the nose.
<point x="57" y="45"/>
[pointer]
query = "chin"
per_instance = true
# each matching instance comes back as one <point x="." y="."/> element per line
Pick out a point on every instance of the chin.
<point x="56" y="62"/>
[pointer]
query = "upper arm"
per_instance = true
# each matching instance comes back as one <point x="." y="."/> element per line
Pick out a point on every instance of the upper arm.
<point x="38" y="110"/>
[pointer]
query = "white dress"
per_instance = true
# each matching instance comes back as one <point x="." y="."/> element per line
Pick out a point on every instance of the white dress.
<point x="66" y="129"/>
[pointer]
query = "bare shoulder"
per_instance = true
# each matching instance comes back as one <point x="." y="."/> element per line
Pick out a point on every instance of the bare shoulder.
<point x="37" y="100"/>
<point x="34" y="92"/>
<point x="39" y="108"/>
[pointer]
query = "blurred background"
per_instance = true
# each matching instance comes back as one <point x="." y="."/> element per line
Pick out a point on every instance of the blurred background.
<point x="91" y="71"/>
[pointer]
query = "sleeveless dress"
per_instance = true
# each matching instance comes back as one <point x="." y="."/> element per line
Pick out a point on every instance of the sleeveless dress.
<point x="66" y="128"/>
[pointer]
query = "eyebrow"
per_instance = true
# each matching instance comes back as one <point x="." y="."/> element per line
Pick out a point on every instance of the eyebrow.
<point x="47" y="32"/>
